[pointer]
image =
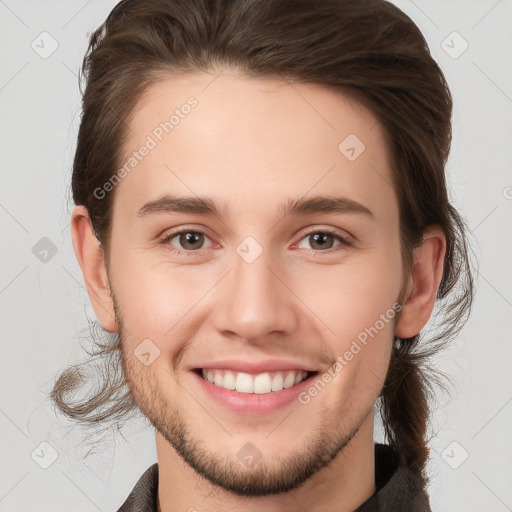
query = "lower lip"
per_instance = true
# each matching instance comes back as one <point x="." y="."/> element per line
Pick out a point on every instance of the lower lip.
<point x="254" y="403"/>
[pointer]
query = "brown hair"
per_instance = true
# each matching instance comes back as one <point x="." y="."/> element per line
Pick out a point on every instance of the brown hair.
<point x="367" y="49"/>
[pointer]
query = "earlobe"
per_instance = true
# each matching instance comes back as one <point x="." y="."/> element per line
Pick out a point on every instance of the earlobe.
<point x="423" y="283"/>
<point x="90" y="256"/>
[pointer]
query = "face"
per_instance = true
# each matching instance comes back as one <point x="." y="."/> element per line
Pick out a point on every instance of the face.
<point x="255" y="294"/>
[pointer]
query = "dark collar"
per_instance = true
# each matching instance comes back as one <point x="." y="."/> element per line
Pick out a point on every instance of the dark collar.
<point x="397" y="489"/>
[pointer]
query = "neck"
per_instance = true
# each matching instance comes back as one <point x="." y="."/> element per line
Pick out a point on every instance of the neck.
<point x="346" y="483"/>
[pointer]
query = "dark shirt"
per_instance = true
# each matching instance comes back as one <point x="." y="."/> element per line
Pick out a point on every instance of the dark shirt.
<point x="398" y="489"/>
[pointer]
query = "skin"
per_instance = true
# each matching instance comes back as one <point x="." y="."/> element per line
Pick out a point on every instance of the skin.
<point x="253" y="144"/>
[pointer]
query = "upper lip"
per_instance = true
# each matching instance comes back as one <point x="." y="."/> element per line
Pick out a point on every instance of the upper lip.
<point x="255" y="367"/>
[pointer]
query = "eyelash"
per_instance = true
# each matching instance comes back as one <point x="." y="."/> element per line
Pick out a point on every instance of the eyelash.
<point x="343" y="241"/>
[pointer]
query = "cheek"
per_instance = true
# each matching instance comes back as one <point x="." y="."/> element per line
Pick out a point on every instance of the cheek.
<point x="352" y="297"/>
<point x="146" y="382"/>
<point x="362" y="350"/>
<point x="153" y="297"/>
<point x="357" y="302"/>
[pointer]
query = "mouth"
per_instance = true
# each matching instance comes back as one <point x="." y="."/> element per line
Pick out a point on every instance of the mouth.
<point x="261" y="384"/>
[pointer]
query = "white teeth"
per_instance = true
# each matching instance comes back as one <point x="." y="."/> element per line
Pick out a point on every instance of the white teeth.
<point x="259" y="384"/>
<point x="217" y="379"/>
<point x="229" y="380"/>
<point x="289" y="381"/>
<point x="244" y="383"/>
<point x="262" y="384"/>
<point x="277" y="382"/>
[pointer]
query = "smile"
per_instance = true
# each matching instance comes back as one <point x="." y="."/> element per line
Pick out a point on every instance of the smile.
<point x="261" y="383"/>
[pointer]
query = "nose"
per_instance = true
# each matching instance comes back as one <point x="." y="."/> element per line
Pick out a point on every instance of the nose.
<point x="256" y="301"/>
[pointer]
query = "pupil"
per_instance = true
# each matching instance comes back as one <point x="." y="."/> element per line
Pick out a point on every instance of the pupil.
<point x="188" y="239"/>
<point x="318" y="237"/>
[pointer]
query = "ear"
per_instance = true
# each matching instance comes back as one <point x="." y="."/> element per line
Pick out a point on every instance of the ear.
<point x="422" y="284"/>
<point x="89" y="254"/>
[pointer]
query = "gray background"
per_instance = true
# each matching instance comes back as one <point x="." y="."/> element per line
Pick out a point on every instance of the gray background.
<point x="44" y="306"/>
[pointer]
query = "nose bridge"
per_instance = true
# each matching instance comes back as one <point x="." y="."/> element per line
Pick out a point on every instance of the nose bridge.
<point x="256" y="302"/>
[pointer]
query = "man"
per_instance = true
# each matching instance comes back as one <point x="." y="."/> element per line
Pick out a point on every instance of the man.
<point x="262" y="219"/>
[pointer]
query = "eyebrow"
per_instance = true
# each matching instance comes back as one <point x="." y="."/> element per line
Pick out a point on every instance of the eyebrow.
<point x="207" y="206"/>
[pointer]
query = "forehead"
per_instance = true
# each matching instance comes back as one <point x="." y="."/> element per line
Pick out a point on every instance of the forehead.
<point x="246" y="140"/>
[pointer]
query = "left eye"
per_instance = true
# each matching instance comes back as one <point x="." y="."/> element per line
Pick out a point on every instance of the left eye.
<point x="188" y="239"/>
<point x="191" y="241"/>
<point x="323" y="240"/>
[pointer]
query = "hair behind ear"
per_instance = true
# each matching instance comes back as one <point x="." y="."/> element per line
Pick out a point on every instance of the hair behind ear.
<point x="404" y="406"/>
